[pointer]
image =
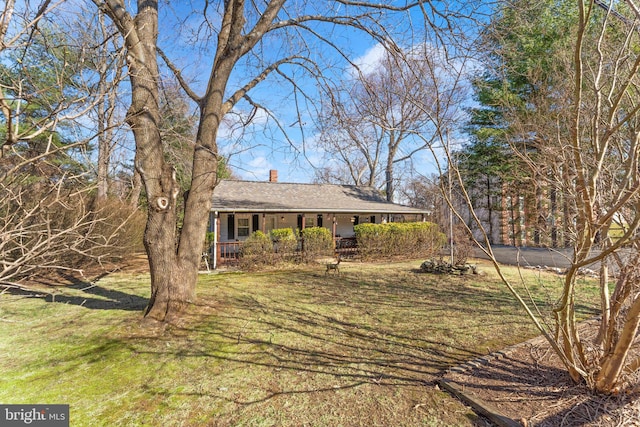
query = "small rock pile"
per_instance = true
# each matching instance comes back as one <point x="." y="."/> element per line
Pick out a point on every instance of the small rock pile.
<point x="442" y="267"/>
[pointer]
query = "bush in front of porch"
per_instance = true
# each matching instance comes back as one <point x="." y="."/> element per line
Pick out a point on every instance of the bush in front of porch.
<point x="417" y="239"/>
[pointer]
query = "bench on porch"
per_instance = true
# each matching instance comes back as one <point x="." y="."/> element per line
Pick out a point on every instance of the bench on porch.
<point x="346" y="247"/>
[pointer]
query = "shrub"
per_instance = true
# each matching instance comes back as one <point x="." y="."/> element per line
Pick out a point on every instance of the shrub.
<point x="257" y="243"/>
<point x="257" y="251"/>
<point x="59" y="227"/>
<point x="317" y="242"/>
<point x="422" y="239"/>
<point x="120" y="228"/>
<point x="285" y="242"/>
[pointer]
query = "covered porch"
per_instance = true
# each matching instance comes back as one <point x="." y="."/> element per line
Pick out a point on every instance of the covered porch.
<point x="231" y="229"/>
<point x="240" y="208"/>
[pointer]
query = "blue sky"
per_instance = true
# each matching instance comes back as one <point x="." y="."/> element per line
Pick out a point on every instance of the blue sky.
<point x="262" y="145"/>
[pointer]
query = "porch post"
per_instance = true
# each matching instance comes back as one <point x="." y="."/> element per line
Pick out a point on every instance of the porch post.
<point x="333" y="227"/>
<point x="304" y="222"/>
<point x="216" y="246"/>
<point x="264" y="223"/>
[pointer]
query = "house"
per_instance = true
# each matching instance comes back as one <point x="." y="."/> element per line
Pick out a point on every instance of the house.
<point x="529" y="213"/>
<point x="241" y="207"/>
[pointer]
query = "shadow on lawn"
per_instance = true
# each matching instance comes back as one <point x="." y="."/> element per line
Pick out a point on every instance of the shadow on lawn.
<point x="541" y="392"/>
<point x="110" y="299"/>
<point x="320" y="334"/>
<point x="342" y="328"/>
<point x="93" y="295"/>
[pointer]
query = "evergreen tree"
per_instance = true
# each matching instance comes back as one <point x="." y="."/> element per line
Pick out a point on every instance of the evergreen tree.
<point x="519" y="95"/>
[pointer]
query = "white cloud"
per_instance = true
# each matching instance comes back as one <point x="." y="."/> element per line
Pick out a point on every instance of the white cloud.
<point x="368" y="62"/>
<point x="254" y="168"/>
<point x="259" y="164"/>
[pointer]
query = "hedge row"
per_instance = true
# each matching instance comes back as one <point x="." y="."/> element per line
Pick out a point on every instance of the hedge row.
<point x="282" y="245"/>
<point x="375" y="241"/>
<point x="317" y="242"/>
<point x="417" y="239"/>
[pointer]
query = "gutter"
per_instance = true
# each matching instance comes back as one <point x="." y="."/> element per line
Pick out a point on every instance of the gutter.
<point x="410" y="211"/>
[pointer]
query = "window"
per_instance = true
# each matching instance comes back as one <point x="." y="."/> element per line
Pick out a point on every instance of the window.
<point x="243" y="227"/>
<point x="231" y="219"/>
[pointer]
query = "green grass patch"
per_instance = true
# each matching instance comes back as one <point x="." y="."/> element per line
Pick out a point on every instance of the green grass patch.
<point x="285" y="348"/>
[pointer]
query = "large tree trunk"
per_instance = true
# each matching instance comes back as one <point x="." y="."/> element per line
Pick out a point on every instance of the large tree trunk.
<point x="166" y="294"/>
<point x="172" y="284"/>
<point x="174" y="267"/>
<point x="174" y="255"/>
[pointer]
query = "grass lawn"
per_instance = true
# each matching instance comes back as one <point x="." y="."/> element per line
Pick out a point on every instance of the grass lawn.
<point x="281" y="348"/>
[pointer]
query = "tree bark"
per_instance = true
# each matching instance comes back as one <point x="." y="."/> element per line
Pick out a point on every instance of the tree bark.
<point x="605" y="302"/>
<point x="172" y="285"/>
<point x="613" y="363"/>
<point x="104" y="132"/>
<point x="392" y="149"/>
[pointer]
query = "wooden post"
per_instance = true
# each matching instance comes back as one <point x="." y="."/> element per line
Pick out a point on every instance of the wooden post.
<point x="218" y="258"/>
<point x="334" y="227"/>
<point x="304" y="221"/>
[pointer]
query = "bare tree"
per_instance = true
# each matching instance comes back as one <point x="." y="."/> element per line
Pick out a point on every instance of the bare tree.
<point x="371" y="124"/>
<point x="242" y="31"/>
<point x="424" y="192"/>
<point x="46" y="220"/>
<point x="52" y="227"/>
<point x="587" y="149"/>
<point x="605" y="147"/>
<point x="108" y="64"/>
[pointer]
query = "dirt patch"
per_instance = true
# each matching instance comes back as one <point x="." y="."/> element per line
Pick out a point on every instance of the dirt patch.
<point x="137" y="263"/>
<point x="529" y="384"/>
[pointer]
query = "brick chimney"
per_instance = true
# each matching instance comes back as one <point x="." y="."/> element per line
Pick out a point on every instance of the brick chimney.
<point x="273" y="175"/>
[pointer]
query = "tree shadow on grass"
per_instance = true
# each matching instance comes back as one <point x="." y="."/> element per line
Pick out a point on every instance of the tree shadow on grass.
<point x="526" y="385"/>
<point x="109" y="299"/>
<point x="316" y="336"/>
<point x="342" y="329"/>
<point x="358" y="349"/>
<point x="91" y="295"/>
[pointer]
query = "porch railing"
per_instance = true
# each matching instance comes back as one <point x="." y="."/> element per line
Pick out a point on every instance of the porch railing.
<point x="229" y="252"/>
<point x="346" y="246"/>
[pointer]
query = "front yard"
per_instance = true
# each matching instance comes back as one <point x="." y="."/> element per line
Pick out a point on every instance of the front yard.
<point x="282" y="348"/>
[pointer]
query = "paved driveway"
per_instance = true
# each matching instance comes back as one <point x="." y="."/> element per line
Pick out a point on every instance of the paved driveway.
<point x="544" y="257"/>
<point x="526" y="256"/>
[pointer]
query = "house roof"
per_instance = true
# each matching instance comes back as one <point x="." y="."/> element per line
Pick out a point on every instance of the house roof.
<point x="280" y="197"/>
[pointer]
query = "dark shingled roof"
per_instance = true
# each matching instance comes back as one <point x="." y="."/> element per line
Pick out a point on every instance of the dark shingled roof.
<point x="261" y="196"/>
